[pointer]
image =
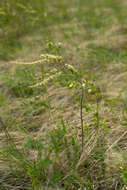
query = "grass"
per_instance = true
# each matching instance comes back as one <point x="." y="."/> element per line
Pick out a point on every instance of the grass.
<point x="68" y="132"/>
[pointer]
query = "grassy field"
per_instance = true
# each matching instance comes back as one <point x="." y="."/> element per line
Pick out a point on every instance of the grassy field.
<point x="63" y="95"/>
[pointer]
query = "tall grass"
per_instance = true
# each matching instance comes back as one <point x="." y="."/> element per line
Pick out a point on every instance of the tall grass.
<point x="19" y="18"/>
<point x="70" y="157"/>
<point x="55" y="120"/>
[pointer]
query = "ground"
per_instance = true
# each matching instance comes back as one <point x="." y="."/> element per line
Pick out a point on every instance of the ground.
<point x="97" y="43"/>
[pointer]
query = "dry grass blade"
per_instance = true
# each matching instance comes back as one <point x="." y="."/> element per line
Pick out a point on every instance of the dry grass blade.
<point x="115" y="143"/>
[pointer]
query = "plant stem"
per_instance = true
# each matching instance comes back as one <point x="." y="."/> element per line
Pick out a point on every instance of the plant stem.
<point x="97" y="114"/>
<point x="81" y="116"/>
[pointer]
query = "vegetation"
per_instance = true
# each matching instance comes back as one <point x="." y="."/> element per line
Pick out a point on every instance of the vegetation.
<point x="63" y="102"/>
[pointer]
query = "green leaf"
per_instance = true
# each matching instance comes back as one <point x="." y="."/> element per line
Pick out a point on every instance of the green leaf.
<point x="45" y="163"/>
<point x="34" y="144"/>
<point x="2" y="100"/>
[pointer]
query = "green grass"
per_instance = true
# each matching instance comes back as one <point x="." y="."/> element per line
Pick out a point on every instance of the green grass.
<point x="62" y="120"/>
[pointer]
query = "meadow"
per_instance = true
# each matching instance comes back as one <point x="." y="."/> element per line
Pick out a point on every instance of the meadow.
<point x="63" y="95"/>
